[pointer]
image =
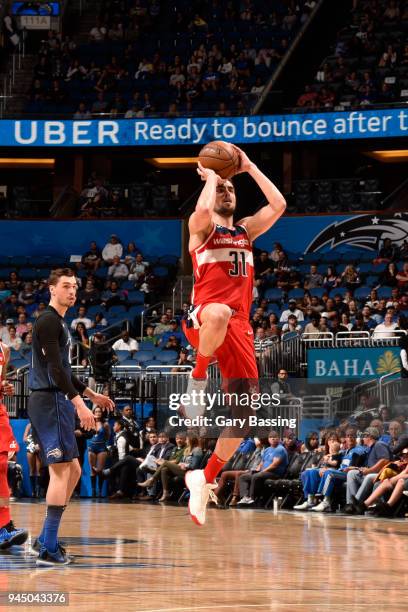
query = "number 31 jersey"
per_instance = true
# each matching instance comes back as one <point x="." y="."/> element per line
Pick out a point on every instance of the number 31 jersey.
<point x="224" y="269"/>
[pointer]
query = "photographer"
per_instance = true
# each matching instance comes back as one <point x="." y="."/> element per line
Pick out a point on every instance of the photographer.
<point x="101" y="358"/>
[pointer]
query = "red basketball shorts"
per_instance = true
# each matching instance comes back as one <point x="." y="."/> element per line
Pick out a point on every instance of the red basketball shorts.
<point x="236" y="355"/>
<point x="7" y="440"/>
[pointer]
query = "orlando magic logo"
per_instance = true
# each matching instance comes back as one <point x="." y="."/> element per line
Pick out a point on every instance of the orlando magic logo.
<point x="362" y="231"/>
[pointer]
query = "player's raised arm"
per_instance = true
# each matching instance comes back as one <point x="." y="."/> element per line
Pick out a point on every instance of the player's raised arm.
<point x="201" y="219"/>
<point x="263" y="220"/>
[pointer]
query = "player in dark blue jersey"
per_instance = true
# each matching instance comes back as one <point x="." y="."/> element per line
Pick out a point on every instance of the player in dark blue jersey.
<point x="54" y="399"/>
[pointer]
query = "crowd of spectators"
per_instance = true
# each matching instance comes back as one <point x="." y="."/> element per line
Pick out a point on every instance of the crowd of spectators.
<point x="359" y="465"/>
<point x="116" y="283"/>
<point x="370" y="61"/>
<point x="321" y="297"/>
<point x="150" y="57"/>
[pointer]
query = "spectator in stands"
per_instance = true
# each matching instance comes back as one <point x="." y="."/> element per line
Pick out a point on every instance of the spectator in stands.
<point x="228" y="476"/>
<point x="150" y="335"/>
<point x="99" y="320"/>
<point x="360" y="481"/>
<point x="82" y="344"/>
<point x="307" y="98"/>
<point x="149" y="426"/>
<point x="81" y="318"/>
<point x="98" y="32"/>
<point x="389" y="277"/>
<point x="263" y="265"/>
<point x="313" y="279"/>
<point x="292" y="309"/>
<point x="182" y="362"/>
<point x="82" y="112"/>
<point x="402" y="277"/>
<point x="350" y="278"/>
<point x="395" y="484"/>
<point x="378" y="424"/>
<point x="189" y="459"/>
<point x="273" y="465"/>
<point x="291" y="325"/>
<point x="275" y="253"/>
<point x="92" y="258"/>
<point x="385" y="329"/>
<point x="39" y="310"/>
<point x="336" y="326"/>
<point x="27" y="296"/>
<point x="313" y="326"/>
<point x="173" y="332"/>
<point x="27" y="343"/>
<point x="261" y="341"/>
<point x="163" y="326"/>
<point x="112" y="296"/>
<point x="14" y="341"/>
<point x="117" y="270"/>
<point x="4" y="291"/>
<point x="21" y="327"/>
<point x="159" y="454"/>
<point x="368" y="320"/>
<point x="395" y="431"/>
<point x="126" y="343"/>
<point x="311" y="442"/>
<point x="138" y="269"/>
<point x="89" y="296"/>
<point x="281" y="386"/>
<point x="387" y="252"/>
<point x="111" y="249"/>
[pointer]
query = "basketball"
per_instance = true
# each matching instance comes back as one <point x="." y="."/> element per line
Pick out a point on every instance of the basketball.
<point x="221" y="157"/>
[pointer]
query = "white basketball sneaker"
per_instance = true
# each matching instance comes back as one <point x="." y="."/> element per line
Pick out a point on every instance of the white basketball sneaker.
<point x="199" y="493"/>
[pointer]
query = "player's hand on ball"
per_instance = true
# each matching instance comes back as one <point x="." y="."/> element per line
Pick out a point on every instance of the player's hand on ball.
<point x="245" y="163"/>
<point x="206" y="173"/>
<point x="7" y="388"/>
<point x="86" y="418"/>
<point x="103" y="402"/>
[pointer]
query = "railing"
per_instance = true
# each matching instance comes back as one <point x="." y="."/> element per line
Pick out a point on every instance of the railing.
<point x="287" y="354"/>
<point x="351" y="339"/>
<point x="10" y="76"/>
<point x="177" y="286"/>
<point x="317" y="407"/>
<point x="389" y="388"/>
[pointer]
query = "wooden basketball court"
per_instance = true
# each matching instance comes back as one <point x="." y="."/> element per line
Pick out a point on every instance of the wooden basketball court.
<point x="152" y="558"/>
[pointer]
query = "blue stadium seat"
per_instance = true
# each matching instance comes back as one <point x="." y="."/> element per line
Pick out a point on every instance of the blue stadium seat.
<point x="135" y="311"/>
<point x="167" y="357"/>
<point x="273" y="294"/>
<point x="362" y="293"/>
<point x="384" y="292"/>
<point x="372" y="280"/>
<point x="118" y="309"/>
<point x="142" y="356"/>
<point x="317" y="291"/>
<point x="15" y="354"/>
<point x="146" y="346"/>
<point x="129" y="362"/>
<point x="366" y="267"/>
<point x="155" y="363"/>
<point x="296" y="294"/>
<point x="136" y="297"/>
<point x="19" y="363"/>
<point x="123" y="356"/>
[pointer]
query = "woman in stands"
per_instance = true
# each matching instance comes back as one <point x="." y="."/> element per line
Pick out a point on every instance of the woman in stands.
<point x="389" y="276"/>
<point x="331" y="279"/>
<point x="98" y="450"/>
<point x="350" y="277"/>
<point x="82" y="340"/>
<point x="191" y="460"/>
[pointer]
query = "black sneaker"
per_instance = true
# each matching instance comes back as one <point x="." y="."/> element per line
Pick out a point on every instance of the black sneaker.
<point x="10" y="536"/>
<point x="349" y="509"/>
<point x="56" y="559"/>
<point x="36" y="547"/>
<point x="359" y="506"/>
<point x="383" y="509"/>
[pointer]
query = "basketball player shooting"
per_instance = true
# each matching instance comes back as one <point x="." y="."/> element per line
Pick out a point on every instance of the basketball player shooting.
<point x="9" y="535"/>
<point x="54" y="399"/>
<point x="218" y="323"/>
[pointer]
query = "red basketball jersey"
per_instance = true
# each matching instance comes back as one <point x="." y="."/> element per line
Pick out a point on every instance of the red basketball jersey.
<point x="2" y="364"/>
<point x="224" y="269"/>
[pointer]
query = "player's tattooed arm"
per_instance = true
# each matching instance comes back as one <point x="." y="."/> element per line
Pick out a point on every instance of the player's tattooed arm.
<point x="262" y="220"/>
<point x="201" y="219"/>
